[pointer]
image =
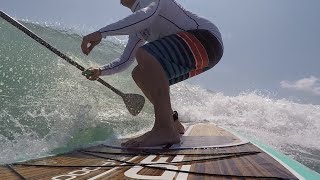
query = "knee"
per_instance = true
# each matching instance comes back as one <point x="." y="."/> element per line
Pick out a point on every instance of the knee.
<point x="136" y="74"/>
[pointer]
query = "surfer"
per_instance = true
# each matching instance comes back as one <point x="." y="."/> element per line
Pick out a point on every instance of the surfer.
<point x="180" y="45"/>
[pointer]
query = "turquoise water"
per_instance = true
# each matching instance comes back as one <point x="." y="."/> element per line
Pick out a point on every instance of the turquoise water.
<point x="48" y="107"/>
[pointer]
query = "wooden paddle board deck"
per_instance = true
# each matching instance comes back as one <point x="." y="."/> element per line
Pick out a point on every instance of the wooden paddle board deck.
<point x="206" y="152"/>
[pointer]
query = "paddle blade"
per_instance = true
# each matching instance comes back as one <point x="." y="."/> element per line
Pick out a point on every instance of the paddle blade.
<point x="134" y="103"/>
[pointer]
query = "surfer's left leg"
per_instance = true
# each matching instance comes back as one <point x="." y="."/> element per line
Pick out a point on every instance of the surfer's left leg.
<point x="138" y="77"/>
<point x="157" y="85"/>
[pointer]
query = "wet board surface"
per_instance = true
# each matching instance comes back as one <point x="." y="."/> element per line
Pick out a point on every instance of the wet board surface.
<point x="206" y="152"/>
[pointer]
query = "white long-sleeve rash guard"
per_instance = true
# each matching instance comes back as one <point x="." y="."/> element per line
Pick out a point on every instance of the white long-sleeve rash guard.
<point x="151" y="20"/>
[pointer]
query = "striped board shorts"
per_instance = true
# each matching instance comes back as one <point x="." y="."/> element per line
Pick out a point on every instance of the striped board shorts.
<point x="186" y="54"/>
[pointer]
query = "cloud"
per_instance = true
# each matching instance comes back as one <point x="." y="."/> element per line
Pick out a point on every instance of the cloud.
<point x="310" y="85"/>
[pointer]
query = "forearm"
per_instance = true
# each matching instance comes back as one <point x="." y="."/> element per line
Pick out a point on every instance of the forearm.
<point x="125" y="60"/>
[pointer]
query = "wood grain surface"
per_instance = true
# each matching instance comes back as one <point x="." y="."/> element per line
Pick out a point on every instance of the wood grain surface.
<point x="244" y="161"/>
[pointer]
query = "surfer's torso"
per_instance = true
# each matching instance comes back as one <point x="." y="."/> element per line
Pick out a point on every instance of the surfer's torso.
<point x="152" y="20"/>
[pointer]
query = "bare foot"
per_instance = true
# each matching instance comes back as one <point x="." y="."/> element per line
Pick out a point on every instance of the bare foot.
<point x="179" y="127"/>
<point x="134" y="140"/>
<point x="155" y="137"/>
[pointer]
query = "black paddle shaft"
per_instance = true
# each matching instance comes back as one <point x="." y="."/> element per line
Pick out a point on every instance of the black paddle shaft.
<point x="53" y="49"/>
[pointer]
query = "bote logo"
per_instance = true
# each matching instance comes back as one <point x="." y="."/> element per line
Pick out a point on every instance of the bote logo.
<point x="133" y="171"/>
<point x="167" y="175"/>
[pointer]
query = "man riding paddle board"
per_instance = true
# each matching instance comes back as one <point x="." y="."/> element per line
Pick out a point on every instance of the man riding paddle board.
<point x="179" y="45"/>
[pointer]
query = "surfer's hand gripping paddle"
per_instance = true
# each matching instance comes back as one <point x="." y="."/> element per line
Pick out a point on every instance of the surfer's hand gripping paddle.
<point x="133" y="102"/>
<point x="92" y="73"/>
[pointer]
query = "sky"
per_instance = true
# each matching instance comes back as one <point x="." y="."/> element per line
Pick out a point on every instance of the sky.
<point x="271" y="46"/>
